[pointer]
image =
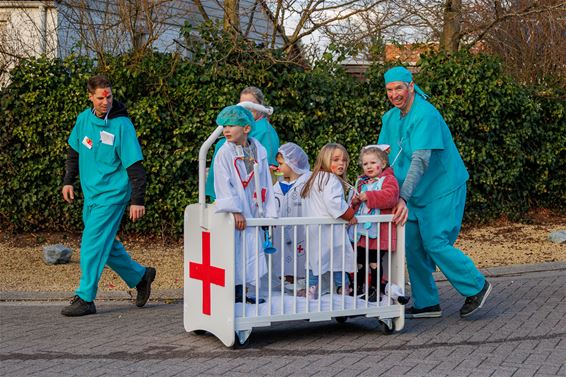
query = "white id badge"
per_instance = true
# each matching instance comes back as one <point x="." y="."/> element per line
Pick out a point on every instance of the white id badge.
<point x="106" y="138"/>
<point x="87" y="142"/>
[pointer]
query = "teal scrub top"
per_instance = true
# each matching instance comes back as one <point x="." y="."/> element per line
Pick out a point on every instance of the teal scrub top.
<point x="263" y="132"/>
<point x="423" y="128"/>
<point x="106" y="148"/>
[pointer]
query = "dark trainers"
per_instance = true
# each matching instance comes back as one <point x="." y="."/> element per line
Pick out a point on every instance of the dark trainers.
<point x="372" y="295"/>
<point x="474" y="303"/>
<point x="239" y="296"/>
<point x="79" y="307"/>
<point x="428" y="312"/>
<point x="144" y="286"/>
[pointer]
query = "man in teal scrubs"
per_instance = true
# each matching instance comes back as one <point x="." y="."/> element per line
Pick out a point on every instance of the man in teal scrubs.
<point x="432" y="177"/>
<point x="105" y="151"/>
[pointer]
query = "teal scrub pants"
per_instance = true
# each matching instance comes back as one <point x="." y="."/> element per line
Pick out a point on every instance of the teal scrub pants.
<point x="99" y="247"/>
<point x="430" y="241"/>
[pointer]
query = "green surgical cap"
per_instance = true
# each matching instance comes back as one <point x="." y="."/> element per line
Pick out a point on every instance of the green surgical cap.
<point x="235" y="116"/>
<point x="404" y="75"/>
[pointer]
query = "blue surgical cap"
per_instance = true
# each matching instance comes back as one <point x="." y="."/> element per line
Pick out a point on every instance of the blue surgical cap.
<point x="398" y="74"/>
<point x="404" y="75"/>
<point x="235" y="116"/>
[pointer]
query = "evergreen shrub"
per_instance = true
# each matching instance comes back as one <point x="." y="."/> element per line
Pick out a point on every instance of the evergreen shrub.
<point x="512" y="140"/>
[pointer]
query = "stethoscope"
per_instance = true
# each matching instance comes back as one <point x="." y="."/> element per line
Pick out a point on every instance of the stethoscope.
<point x="245" y="182"/>
<point x="400" y="143"/>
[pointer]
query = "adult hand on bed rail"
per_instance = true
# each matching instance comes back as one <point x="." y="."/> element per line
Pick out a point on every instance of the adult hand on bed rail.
<point x="400" y="212"/>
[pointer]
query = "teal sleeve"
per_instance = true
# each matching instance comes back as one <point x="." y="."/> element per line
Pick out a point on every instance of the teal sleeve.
<point x="74" y="141"/>
<point x="426" y="130"/>
<point x="129" y="149"/>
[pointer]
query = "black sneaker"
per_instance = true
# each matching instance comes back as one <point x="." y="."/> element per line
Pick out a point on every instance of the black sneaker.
<point x="239" y="296"/>
<point x="474" y="303"/>
<point x="79" y="307"/>
<point x="144" y="286"/>
<point x="372" y="295"/>
<point x="428" y="312"/>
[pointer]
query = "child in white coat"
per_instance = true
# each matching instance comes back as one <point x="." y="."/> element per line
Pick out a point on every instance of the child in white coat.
<point x="324" y="197"/>
<point x="234" y="184"/>
<point x="295" y="169"/>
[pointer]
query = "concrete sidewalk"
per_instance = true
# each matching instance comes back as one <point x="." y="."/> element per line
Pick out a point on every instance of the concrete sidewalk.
<point x="521" y="331"/>
<point x="177" y="294"/>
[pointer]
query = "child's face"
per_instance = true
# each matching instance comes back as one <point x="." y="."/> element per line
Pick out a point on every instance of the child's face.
<point x="284" y="168"/>
<point x="338" y="162"/>
<point x="236" y="134"/>
<point x="372" y="165"/>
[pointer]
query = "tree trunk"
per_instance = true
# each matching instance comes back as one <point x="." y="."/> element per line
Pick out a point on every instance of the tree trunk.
<point x="450" y="38"/>
<point x="232" y="15"/>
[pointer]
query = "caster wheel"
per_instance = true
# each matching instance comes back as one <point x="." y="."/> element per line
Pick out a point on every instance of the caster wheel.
<point x="198" y="332"/>
<point x="387" y="329"/>
<point x="237" y="345"/>
<point x="341" y="319"/>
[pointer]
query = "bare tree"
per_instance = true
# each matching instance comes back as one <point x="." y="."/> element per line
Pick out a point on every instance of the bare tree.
<point x="87" y="27"/>
<point x="115" y="26"/>
<point x="529" y="36"/>
<point x="382" y="21"/>
<point x="26" y="30"/>
<point x="294" y="20"/>
<point x="451" y="30"/>
<point x="232" y="15"/>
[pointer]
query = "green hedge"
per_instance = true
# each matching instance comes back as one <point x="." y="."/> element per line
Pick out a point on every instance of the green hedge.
<point x="513" y="141"/>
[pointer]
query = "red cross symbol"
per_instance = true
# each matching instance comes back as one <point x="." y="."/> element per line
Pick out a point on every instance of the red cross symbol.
<point x="207" y="273"/>
<point x="300" y="249"/>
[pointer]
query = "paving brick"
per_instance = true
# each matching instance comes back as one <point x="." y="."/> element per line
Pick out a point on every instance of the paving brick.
<point x="504" y="372"/>
<point x="422" y="369"/>
<point x="549" y="369"/>
<point x="481" y="373"/>
<point x="525" y="372"/>
<point x="472" y="362"/>
<point x="556" y="357"/>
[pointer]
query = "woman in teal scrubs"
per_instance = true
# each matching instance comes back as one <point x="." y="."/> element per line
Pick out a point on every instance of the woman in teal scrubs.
<point x="432" y="177"/>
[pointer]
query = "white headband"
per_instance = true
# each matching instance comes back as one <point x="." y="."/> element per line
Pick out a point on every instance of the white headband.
<point x="268" y="110"/>
<point x="383" y="147"/>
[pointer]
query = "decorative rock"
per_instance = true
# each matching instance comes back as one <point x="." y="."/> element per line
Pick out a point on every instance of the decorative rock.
<point x="56" y="254"/>
<point x="558" y="237"/>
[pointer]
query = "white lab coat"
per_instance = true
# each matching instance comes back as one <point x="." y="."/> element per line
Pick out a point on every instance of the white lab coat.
<point x="290" y="205"/>
<point x="232" y="197"/>
<point x="328" y="201"/>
